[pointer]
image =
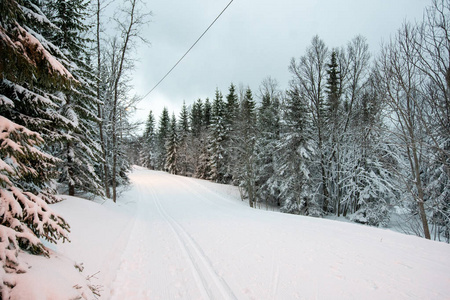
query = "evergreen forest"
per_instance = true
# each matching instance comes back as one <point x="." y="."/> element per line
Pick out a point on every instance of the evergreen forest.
<point x="356" y="134"/>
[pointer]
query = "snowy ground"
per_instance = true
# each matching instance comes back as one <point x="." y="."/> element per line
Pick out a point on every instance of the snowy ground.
<point x="172" y="237"/>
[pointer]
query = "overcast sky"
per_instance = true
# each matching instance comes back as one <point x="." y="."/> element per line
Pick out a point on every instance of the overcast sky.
<point x="252" y="40"/>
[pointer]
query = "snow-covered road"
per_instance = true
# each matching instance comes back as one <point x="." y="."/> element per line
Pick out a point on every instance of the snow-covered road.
<point x="192" y="239"/>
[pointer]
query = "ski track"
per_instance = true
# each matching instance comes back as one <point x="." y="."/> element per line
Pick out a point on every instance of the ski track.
<point x="214" y="286"/>
<point x="191" y="241"/>
<point x="133" y="277"/>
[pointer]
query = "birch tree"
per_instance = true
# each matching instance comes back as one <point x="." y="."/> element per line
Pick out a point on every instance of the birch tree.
<point x="129" y="22"/>
<point x="401" y="82"/>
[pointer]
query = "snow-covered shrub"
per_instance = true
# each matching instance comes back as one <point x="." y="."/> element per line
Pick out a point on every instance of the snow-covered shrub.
<point x="372" y="214"/>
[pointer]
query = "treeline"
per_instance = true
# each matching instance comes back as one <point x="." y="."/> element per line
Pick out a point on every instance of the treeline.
<point x="353" y="135"/>
<point x="64" y="107"/>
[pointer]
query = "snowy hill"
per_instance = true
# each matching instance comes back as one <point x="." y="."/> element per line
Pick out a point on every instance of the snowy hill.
<point x="172" y="237"/>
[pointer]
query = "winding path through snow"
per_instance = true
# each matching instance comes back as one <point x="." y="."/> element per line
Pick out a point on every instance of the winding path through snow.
<point x="190" y="240"/>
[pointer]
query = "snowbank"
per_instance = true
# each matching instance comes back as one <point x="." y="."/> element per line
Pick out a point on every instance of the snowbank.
<point x="171" y="237"/>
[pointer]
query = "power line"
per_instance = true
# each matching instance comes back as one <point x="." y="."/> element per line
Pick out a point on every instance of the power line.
<point x="164" y="77"/>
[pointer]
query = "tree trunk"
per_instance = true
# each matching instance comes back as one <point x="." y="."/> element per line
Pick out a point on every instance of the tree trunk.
<point x="71" y="186"/>
<point x="420" y="194"/>
<point x="105" y="176"/>
<point x="127" y="36"/>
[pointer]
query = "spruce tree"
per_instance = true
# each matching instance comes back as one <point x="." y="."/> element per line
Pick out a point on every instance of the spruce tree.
<point x="332" y="144"/>
<point x="29" y="74"/>
<point x="78" y="148"/>
<point x="297" y="151"/>
<point x="207" y="114"/>
<point x="310" y="77"/>
<point x="183" y="142"/>
<point x="268" y="124"/>
<point x="149" y="147"/>
<point x="216" y="147"/>
<point x="231" y="115"/>
<point x="231" y="107"/>
<point x="333" y="88"/>
<point x="163" y="134"/>
<point x="172" y="147"/>
<point x="246" y="138"/>
<point x="196" y="118"/>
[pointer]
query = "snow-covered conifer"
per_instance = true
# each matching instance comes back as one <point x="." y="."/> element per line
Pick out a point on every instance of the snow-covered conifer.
<point x="26" y="101"/>
<point x="296" y="154"/>
<point x="245" y="147"/>
<point x="149" y="147"/>
<point x="78" y="147"/>
<point x="268" y="137"/>
<point x="162" y="136"/>
<point x="172" y="147"/>
<point x="216" y="147"/>
<point x="183" y="142"/>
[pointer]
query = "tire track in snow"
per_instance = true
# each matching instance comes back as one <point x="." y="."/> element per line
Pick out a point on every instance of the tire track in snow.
<point x="209" y="282"/>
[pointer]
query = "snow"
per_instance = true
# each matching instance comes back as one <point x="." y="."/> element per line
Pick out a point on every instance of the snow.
<point x="171" y="237"/>
<point x="29" y="40"/>
<point x="48" y="279"/>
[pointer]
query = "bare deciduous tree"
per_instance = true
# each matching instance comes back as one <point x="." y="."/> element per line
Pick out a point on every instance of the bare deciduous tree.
<point x="401" y="81"/>
<point x="129" y="23"/>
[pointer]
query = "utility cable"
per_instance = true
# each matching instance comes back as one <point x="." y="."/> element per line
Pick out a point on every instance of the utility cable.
<point x="164" y="77"/>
